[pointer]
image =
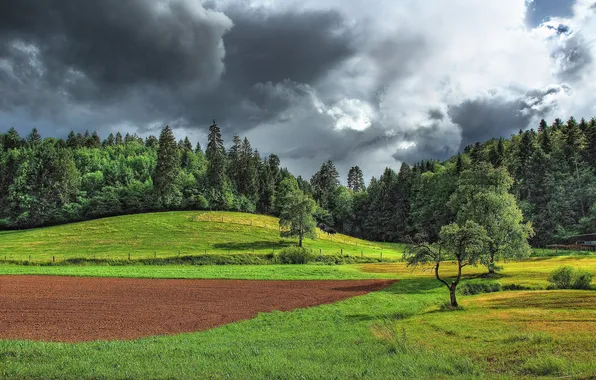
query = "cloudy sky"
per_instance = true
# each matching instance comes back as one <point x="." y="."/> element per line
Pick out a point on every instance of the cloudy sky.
<point x="358" y="82"/>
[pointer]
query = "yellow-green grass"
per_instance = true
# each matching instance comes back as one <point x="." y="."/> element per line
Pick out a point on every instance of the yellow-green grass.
<point x="400" y="332"/>
<point x="531" y="272"/>
<point x="168" y="233"/>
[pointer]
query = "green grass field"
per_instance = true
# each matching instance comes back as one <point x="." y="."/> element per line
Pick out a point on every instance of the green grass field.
<point x="400" y="332"/>
<point x="165" y="234"/>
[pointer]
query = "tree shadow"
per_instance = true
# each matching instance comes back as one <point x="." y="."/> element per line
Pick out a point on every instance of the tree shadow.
<point x="256" y="245"/>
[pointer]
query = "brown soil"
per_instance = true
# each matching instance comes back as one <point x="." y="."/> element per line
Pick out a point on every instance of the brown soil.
<point x="73" y="309"/>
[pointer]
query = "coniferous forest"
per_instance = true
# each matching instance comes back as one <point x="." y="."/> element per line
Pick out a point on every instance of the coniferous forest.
<point x="550" y="173"/>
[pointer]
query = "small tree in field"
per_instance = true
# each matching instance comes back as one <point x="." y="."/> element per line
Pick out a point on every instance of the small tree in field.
<point x="462" y="243"/>
<point x="297" y="215"/>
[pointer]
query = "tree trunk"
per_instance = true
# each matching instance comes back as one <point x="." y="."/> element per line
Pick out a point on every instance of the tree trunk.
<point x="300" y="240"/>
<point x="452" y="295"/>
<point x="491" y="264"/>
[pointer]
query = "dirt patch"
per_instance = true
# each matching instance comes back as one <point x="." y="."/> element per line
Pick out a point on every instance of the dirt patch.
<point x="73" y="309"/>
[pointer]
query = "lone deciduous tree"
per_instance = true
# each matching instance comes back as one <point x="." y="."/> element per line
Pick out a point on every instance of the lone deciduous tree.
<point x="463" y="243"/>
<point x="297" y="215"/>
<point x="483" y="196"/>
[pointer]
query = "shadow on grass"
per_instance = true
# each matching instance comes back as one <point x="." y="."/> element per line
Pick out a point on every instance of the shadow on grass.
<point x="256" y="245"/>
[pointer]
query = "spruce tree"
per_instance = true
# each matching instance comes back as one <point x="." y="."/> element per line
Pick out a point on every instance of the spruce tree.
<point x="356" y="179"/>
<point x="235" y="167"/>
<point x="216" y="162"/>
<point x="198" y="149"/>
<point x="590" y="149"/>
<point x="118" y="139"/>
<point x="110" y="140"/>
<point x="542" y="126"/>
<point x="167" y="167"/>
<point x="94" y="141"/>
<point x="34" y="137"/>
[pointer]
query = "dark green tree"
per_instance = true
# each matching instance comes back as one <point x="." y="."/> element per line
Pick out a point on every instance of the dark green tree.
<point x="168" y="167"/>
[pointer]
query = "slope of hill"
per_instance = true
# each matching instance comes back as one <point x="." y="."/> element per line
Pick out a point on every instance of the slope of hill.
<point x="168" y="234"/>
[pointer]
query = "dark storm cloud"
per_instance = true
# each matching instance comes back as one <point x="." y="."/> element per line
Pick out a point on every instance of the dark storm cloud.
<point x="431" y="142"/>
<point x="499" y="116"/>
<point x="268" y="58"/>
<point x="119" y="43"/>
<point x="140" y="64"/>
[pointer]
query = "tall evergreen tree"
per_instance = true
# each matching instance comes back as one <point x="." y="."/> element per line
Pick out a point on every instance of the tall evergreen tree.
<point x="168" y="166"/>
<point x="324" y="183"/>
<point x="356" y="179"/>
<point x="542" y="126"/>
<point x="95" y="140"/>
<point x="34" y="138"/>
<point x="110" y="140"/>
<point x="118" y="140"/>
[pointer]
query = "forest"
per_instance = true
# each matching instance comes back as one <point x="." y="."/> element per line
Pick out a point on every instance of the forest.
<point x="550" y="174"/>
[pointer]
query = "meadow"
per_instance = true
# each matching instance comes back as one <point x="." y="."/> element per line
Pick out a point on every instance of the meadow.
<point x="170" y="234"/>
<point x="400" y="332"/>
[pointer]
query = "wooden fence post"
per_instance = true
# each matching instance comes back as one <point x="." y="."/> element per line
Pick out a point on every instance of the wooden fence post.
<point x="53" y="259"/>
<point x="128" y="256"/>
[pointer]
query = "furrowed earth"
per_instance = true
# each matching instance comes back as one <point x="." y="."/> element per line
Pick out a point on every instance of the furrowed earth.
<point x="71" y="309"/>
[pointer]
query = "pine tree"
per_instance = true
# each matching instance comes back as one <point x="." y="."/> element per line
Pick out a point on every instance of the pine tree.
<point x="167" y="167"/>
<point x="324" y="183"/>
<point x="583" y="125"/>
<point x="356" y="179"/>
<point x="590" y="149"/>
<point x="151" y="142"/>
<point x="118" y="139"/>
<point x="198" y="149"/>
<point x="71" y="140"/>
<point x="572" y="141"/>
<point x="216" y="160"/>
<point x="545" y="142"/>
<point x="95" y="141"/>
<point x="187" y="144"/>
<point x="459" y="165"/>
<point x="542" y="126"/>
<point x="235" y="167"/>
<point x="34" y="137"/>
<point x="247" y="178"/>
<point x="110" y="140"/>
<point x="496" y="154"/>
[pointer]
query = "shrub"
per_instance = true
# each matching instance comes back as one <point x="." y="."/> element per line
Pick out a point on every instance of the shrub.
<point x="567" y="277"/>
<point x="296" y="255"/>
<point x="516" y="287"/>
<point x="581" y="280"/>
<point x="471" y="288"/>
<point x="560" y="278"/>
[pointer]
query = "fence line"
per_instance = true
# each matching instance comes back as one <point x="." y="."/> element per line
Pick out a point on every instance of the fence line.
<point x="131" y="256"/>
<point x="321" y="235"/>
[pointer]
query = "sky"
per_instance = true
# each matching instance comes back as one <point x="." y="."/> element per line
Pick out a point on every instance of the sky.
<point x="361" y="83"/>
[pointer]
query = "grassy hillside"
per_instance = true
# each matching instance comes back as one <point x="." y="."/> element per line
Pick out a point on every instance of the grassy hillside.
<point x="168" y="233"/>
<point x="400" y="332"/>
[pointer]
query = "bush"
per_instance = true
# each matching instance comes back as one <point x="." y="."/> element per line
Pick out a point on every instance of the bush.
<point x="471" y="288"/>
<point x="296" y="255"/>
<point x="517" y="287"/>
<point x="567" y="277"/>
<point x="560" y="278"/>
<point x="582" y="280"/>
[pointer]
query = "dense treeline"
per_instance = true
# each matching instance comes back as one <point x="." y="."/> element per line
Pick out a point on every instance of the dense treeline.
<point x="50" y="181"/>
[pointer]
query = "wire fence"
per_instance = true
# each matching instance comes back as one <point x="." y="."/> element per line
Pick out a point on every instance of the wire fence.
<point x="271" y="224"/>
<point x="144" y="256"/>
